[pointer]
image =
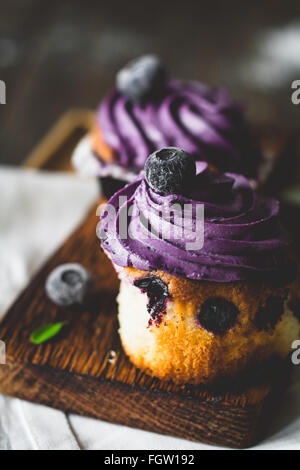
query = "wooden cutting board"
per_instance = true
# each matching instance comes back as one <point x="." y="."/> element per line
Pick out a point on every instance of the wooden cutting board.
<point x="84" y="370"/>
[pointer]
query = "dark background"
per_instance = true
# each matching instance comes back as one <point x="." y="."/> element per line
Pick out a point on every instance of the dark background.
<point x="58" y="54"/>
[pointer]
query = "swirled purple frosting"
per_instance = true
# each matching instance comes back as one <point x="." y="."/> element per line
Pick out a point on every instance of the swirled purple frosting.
<point x="243" y="238"/>
<point x="189" y="115"/>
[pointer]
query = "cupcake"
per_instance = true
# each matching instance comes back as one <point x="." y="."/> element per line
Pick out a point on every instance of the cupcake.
<point x="203" y="269"/>
<point x="147" y="111"/>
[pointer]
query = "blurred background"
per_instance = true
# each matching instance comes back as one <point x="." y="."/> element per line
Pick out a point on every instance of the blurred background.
<point x="59" y="54"/>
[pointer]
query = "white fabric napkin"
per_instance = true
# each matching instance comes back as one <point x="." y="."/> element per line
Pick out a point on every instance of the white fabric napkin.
<point x="37" y="212"/>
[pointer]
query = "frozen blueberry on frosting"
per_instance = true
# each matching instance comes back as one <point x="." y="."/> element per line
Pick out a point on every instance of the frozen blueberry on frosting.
<point x="142" y="78"/>
<point x="170" y="170"/>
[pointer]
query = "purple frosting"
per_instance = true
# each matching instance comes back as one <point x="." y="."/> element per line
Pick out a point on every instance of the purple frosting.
<point x="243" y="238"/>
<point x="189" y="115"/>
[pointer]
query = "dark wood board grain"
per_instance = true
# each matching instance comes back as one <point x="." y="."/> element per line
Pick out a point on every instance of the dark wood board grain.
<point x="76" y="372"/>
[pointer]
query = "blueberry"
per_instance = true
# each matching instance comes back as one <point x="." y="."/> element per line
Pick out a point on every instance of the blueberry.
<point x="141" y="79"/>
<point x="157" y="292"/>
<point x="218" y="315"/>
<point x="266" y="317"/>
<point x="170" y="170"/>
<point x="68" y="284"/>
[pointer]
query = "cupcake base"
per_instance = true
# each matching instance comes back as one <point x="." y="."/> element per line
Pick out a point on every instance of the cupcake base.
<point x="178" y="348"/>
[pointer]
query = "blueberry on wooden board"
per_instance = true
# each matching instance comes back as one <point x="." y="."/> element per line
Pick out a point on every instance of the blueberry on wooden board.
<point x="68" y="284"/>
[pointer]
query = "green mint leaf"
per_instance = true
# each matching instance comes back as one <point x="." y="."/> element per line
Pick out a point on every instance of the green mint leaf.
<point x="45" y="332"/>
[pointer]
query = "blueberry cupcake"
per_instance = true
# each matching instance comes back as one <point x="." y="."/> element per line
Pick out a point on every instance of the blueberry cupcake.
<point x="147" y="111"/>
<point x="198" y="313"/>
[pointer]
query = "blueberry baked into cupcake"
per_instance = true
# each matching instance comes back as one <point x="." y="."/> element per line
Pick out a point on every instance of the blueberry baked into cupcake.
<point x="147" y="111"/>
<point x="198" y="315"/>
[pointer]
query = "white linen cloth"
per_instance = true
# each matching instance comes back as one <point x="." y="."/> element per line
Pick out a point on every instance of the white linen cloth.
<point x="37" y="211"/>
